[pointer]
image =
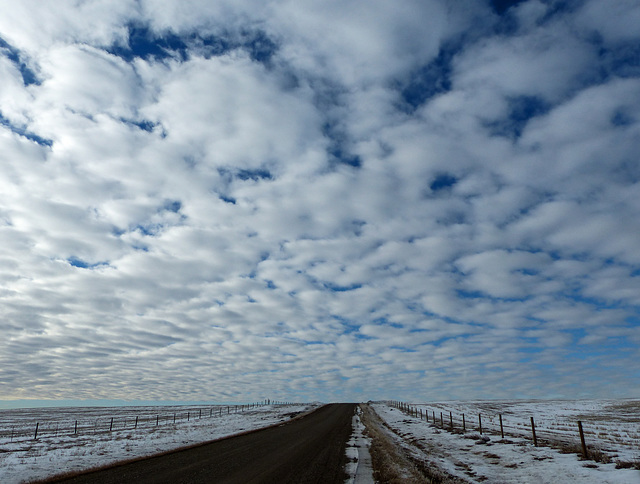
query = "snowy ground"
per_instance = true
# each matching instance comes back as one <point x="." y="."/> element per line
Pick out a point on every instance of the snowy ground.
<point x="475" y="458"/>
<point x="99" y="440"/>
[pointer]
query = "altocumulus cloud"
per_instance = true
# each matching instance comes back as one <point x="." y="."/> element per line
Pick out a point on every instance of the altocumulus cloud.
<point x="235" y="200"/>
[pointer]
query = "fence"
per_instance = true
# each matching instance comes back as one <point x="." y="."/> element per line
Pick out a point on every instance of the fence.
<point x="22" y="429"/>
<point x="571" y="436"/>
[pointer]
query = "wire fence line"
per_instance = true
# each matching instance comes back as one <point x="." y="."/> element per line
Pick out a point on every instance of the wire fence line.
<point x="64" y="424"/>
<point x="570" y="436"/>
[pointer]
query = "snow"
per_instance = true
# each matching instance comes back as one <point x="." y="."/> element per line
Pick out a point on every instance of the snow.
<point x="59" y="449"/>
<point x="479" y="458"/>
<point x="359" y="466"/>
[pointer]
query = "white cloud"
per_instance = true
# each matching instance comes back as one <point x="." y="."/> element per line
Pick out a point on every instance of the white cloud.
<point x="33" y="26"/>
<point x="549" y="62"/>
<point x="616" y="22"/>
<point x="504" y="274"/>
<point x="89" y="81"/>
<point x="190" y="223"/>
<point x="360" y="42"/>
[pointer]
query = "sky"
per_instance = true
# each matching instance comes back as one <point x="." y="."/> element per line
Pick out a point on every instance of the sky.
<point x="319" y="201"/>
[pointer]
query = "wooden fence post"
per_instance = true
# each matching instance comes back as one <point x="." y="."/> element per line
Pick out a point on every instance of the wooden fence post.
<point x="584" y="446"/>
<point x="35" y="437"/>
<point x="480" y="422"/>
<point x="157" y="420"/>
<point x="136" y="426"/>
<point x="441" y="421"/>
<point x="464" y="424"/>
<point x="533" y="431"/>
<point x="75" y="430"/>
<point x="111" y="425"/>
<point x="188" y="416"/>
<point x="501" y="427"/>
<point x="451" y="420"/>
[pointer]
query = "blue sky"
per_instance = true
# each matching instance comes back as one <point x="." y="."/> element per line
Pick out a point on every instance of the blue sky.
<point x="334" y="201"/>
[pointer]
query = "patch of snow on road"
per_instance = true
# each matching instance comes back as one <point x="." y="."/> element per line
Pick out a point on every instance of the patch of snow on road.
<point x="359" y="466"/>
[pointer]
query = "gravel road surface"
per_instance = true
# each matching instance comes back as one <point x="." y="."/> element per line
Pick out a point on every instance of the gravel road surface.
<point x="310" y="449"/>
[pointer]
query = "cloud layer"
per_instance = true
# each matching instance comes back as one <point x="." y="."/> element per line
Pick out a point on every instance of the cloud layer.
<point x="302" y="201"/>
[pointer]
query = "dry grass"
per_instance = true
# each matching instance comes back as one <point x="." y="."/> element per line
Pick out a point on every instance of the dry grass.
<point x="620" y="464"/>
<point x="391" y="464"/>
<point x="595" y="454"/>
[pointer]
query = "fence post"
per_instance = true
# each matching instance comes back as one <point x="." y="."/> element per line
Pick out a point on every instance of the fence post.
<point x="188" y="416"/>
<point x="111" y="425"/>
<point x="441" y="421"/>
<point x="157" y="420"/>
<point x="136" y="423"/>
<point x="480" y="422"/>
<point x="464" y="424"/>
<point x="584" y="446"/>
<point x="12" y="429"/>
<point x="75" y="430"/>
<point x="35" y="437"/>
<point x="174" y="418"/>
<point x="434" y="417"/>
<point x="533" y="431"/>
<point x="451" y="420"/>
<point x="200" y="416"/>
<point x="501" y="427"/>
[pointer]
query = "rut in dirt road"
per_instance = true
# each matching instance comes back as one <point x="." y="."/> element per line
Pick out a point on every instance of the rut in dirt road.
<point x="307" y="450"/>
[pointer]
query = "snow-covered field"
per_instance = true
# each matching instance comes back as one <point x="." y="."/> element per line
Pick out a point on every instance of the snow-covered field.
<point x="612" y="429"/>
<point x="99" y="440"/>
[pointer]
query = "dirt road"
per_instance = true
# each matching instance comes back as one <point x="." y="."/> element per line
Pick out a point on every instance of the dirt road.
<point x="307" y="450"/>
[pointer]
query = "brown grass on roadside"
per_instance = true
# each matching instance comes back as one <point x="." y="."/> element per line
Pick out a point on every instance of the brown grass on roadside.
<point x="595" y="454"/>
<point x="390" y="464"/>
